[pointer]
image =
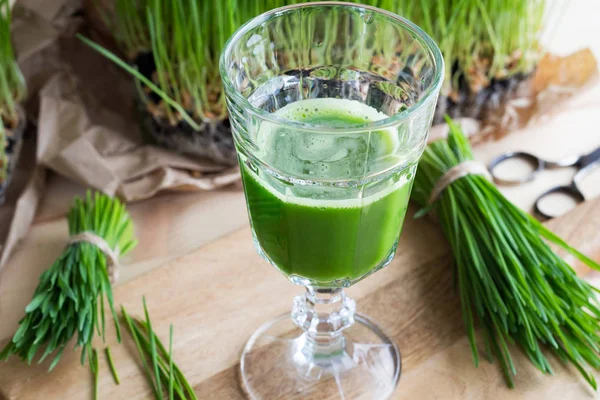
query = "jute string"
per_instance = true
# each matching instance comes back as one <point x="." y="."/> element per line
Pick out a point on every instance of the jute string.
<point x="458" y="171"/>
<point x="112" y="256"/>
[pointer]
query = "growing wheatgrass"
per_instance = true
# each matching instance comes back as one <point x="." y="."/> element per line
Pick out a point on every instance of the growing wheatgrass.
<point x="185" y="39"/>
<point x="132" y="30"/>
<point x="511" y="284"/>
<point x="480" y="40"/>
<point x="69" y="299"/>
<point x="12" y="85"/>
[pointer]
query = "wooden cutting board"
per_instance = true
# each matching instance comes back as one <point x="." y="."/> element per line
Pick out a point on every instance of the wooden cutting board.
<point x="217" y="296"/>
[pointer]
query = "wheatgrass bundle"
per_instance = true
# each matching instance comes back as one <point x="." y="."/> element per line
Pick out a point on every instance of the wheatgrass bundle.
<point x="69" y="299"/>
<point x="511" y="284"/>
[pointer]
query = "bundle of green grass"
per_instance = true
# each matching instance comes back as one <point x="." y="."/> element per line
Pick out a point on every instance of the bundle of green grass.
<point x="12" y="91"/>
<point x="489" y="47"/>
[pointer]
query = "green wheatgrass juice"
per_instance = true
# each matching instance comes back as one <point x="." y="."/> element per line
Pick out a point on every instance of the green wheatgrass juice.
<point x="318" y="231"/>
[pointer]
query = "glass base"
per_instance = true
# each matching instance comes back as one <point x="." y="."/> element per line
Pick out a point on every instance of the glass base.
<point x="281" y="362"/>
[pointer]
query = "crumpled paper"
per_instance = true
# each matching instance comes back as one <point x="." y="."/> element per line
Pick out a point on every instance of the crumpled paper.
<point x="26" y="188"/>
<point x="90" y="133"/>
<point x="33" y="38"/>
<point x="84" y="111"/>
<point x="100" y="148"/>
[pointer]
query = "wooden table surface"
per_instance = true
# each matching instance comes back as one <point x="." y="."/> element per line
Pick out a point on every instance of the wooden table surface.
<point x="217" y="295"/>
<point x="178" y="232"/>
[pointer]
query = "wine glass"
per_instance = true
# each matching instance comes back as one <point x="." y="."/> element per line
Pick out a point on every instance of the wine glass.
<point x="330" y="105"/>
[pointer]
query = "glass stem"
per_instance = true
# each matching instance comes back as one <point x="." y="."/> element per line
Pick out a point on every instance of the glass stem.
<point x="323" y="314"/>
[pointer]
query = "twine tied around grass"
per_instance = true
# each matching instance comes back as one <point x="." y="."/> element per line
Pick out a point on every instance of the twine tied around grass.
<point x="458" y="171"/>
<point x="112" y="256"/>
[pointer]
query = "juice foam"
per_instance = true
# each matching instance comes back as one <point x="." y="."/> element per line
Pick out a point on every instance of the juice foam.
<point x="322" y="155"/>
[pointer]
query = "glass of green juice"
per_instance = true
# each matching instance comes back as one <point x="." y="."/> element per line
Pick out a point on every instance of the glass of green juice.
<point x="330" y="105"/>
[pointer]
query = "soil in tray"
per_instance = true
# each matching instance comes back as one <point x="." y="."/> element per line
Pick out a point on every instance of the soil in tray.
<point x="213" y="140"/>
<point x="14" y="141"/>
<point x="479" y="105"/>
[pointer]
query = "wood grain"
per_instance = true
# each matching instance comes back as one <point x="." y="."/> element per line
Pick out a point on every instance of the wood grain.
<point x="217" y="295"/>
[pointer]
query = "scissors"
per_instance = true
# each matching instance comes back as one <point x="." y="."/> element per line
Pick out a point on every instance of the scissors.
<point x="584" y="164"/>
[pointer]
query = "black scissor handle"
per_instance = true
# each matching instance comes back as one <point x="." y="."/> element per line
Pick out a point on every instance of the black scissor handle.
<point x="569" y="190"/>
<point x="537" y="164"/>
